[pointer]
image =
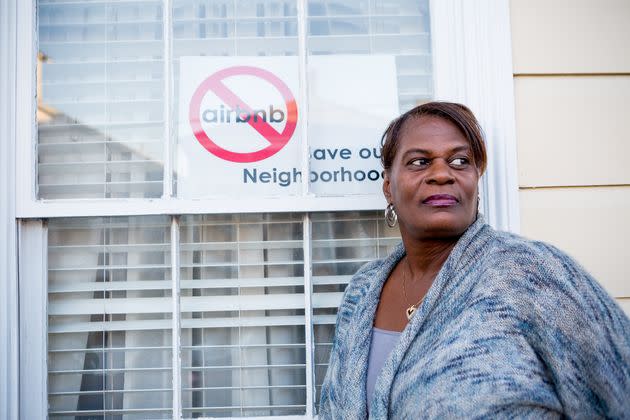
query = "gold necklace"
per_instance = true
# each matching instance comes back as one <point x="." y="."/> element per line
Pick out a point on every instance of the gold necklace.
<point x="411" y="310"/>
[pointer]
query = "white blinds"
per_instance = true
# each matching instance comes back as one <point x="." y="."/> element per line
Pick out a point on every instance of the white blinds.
<point x="243" y="314"/>
<point x="101" y="89"/>
<point x="100" y="99"/>
<point x="109" y="318"/>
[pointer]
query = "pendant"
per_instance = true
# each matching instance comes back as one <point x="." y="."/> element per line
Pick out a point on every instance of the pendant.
<point x="410" y="311"/>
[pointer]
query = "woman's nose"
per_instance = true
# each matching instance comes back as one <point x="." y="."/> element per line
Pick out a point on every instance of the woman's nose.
<point x="440" y="172"/>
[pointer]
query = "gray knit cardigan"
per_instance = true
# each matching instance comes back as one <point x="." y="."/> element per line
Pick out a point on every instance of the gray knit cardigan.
<point x="510" y="328"/>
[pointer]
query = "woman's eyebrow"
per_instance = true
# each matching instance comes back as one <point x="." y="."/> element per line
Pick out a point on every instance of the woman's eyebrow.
<point x="461" y="149"/>
<point x="417" y="151"/>
<point x="428" y="152"/>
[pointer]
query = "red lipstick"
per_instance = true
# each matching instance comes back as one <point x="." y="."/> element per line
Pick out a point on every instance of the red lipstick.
<point x="440" y="200"/>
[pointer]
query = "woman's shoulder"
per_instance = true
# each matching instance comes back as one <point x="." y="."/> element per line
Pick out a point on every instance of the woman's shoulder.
<point x="541" y="279"/>
<point x="518" y="253"/>
<point x="574" y="326"/>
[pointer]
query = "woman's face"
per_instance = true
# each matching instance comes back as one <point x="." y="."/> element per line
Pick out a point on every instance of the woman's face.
<point x="432" y="181"/>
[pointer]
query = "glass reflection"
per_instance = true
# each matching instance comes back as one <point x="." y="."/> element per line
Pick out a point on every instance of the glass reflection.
<point x="100" y="99"/>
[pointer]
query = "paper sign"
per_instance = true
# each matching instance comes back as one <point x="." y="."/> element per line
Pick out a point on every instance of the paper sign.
<point x="239" y="125"/>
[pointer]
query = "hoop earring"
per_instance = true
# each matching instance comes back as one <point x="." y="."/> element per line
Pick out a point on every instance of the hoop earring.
<point x="391" y="218"/>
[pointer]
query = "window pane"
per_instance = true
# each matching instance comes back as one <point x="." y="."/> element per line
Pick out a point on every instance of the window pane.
<point x="243" y="348"/>
<point x="378" y="27"/>
<point x="342" y="243"/>
<point x="109" y="318"/>
<point x="219" y="30"/>
<point x="369" y="60"/>
<point x="100" y="99"/>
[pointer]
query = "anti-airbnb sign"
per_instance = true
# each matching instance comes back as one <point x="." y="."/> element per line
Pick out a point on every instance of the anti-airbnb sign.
<point x="239" y="125"/>
<point x="236" y="111"/>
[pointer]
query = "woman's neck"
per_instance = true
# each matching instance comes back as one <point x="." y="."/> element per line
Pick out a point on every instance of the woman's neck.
<point x="427" y="256"/>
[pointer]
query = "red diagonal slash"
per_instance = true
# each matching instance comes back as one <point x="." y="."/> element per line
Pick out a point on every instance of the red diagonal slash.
<point x="232" y="100"/>
<point x="277" y="140"/>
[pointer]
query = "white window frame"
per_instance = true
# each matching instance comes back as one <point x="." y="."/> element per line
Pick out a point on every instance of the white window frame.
<point x="472" y="63"/>
<point x="33" y="304"/>
<point x="9" y="338"/>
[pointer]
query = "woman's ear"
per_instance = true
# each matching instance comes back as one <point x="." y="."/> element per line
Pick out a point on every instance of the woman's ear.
<point x="386" y="192"/>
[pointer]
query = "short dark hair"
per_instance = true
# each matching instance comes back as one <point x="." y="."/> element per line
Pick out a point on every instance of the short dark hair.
<point x="458" y="114"/>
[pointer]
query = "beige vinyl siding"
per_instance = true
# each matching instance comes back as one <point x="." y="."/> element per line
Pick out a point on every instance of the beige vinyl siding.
<point x="625" y="305"/>
<point x="587" y="223"/>
<point x="573" y="130"/>
<point x="572" y="90"/>
<point x="570" y="36"/>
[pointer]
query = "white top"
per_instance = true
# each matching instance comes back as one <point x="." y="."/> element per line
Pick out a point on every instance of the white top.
<point x="383" y="341"/>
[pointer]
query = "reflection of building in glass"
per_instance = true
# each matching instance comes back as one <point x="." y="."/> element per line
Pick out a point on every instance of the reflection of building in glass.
<point x="103" y="70"/>
<point x="99" y="159"/>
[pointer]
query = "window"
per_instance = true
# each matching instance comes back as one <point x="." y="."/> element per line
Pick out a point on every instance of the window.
<point x="342" y="243"/>
<point x="245" y="290"/>
<point x="243" y="315"/>
<point x="378" y="27"/>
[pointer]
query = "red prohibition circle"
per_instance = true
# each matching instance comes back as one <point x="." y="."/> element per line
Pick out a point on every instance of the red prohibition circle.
<point x="277" y="140"/>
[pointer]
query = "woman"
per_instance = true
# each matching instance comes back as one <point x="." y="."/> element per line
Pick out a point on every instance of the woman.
<point x="462" y="321"/>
